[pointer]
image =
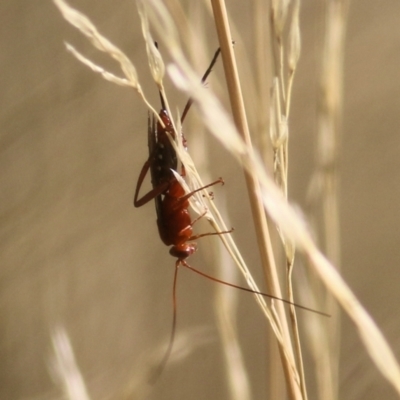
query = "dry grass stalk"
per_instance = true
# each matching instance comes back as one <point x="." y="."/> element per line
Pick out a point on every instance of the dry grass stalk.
<point x="84" y="25"/>
<point x="65" y="369"/>
<point x="226" y="301"/>
<point x="279" y="132"/>
<point x="226" y="305"/>
<point x="326" y="190"/>
<point x="262" y="230"/>
<point x="332" y="80"/>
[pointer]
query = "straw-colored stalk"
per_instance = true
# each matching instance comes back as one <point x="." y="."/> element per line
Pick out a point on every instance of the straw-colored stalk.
<point x="285" y="65"/>
<point x="326" y="190"/>
<point x="259" y="217"/>
<point x="64" y="369"/>
<point x="226" y="301"/>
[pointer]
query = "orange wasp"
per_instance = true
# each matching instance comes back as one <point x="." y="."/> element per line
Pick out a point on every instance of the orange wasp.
<point x="175" y="225"/>
<point x="172" y="202"/>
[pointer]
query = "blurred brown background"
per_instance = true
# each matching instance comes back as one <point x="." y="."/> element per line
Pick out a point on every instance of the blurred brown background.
<point x="75" y="252"/>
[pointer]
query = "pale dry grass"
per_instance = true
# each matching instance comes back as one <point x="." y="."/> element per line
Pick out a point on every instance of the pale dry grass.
<point x="265" y="193"/>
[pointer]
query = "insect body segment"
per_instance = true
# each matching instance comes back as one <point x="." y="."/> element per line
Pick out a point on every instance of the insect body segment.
<point x="174" y="222"/>
<point x="162" y="155"/>
<point x="162" y="159"/>
<point x="165" y="157"/>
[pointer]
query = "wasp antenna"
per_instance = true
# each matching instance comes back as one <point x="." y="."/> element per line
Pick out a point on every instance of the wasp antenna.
<point x="185" y="264"/>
